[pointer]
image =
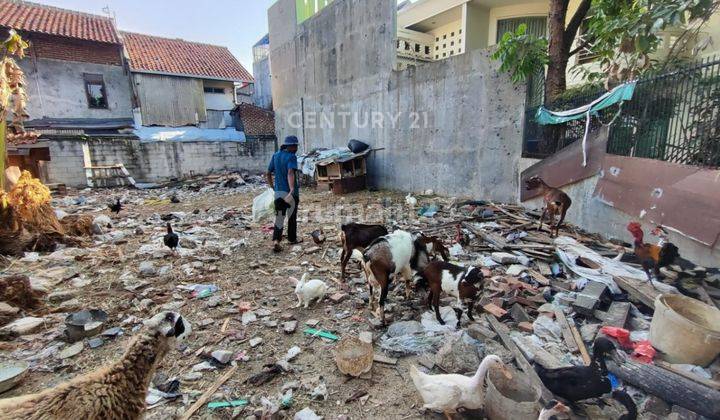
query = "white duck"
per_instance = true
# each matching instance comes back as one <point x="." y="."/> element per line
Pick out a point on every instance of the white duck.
<point x="447" y="393"/>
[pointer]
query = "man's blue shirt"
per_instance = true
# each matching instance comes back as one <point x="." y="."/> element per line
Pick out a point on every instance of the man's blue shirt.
<point x="280" y="163"/>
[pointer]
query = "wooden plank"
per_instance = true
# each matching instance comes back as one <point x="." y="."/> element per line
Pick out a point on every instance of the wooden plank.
<point x="671" y="387"/>
<point x="581" y="345"/>
<point x="566" y="331"/>
<point x="209" y="393"/>
<point x="493" y="240"/>
<point x="495" y="310"/>
<point x="520" y="359"/>
<point x="641" y="291"/>
<point x="539" y="277"/>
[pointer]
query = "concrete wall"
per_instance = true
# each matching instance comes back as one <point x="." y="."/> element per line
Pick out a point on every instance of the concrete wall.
<point x="156" y="161"/>
<point x="56" y="89"/>
<point x="262" y="95"/>
<point x="452" y="126"/>
<point x="220" y="101"/>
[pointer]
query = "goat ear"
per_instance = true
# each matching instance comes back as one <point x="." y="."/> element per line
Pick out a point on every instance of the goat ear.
<point x="178" y="329"/>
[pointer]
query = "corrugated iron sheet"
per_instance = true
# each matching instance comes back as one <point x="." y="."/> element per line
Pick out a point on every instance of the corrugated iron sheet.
<point x="682" y="197"/>
<point x="170" y="101"/>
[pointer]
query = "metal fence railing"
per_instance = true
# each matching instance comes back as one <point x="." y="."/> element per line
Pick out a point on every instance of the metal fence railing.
<point x="673" y="117"/>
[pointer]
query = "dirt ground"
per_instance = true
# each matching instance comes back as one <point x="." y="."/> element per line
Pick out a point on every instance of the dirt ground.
<point x="250" y="273"/>
<point x="125" y="270"/>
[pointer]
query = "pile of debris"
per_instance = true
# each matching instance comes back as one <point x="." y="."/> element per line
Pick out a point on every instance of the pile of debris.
<point x="253" y="354"/>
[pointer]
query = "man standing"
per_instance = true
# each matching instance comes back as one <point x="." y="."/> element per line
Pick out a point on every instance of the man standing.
<point x="287" y="190"/>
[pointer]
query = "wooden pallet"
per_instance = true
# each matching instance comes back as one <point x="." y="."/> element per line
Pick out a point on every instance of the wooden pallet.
<point x="103" y="176"/>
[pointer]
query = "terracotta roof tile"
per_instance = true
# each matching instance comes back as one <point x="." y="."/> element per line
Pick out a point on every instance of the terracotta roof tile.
<point x="177" y="56"/>
<point x="32" y="17"/>
<point x="256" y="121"/>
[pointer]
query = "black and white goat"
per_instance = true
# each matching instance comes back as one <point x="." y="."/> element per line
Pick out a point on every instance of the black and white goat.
<point x="463" y="283"/>
<point x="398" y="253"/>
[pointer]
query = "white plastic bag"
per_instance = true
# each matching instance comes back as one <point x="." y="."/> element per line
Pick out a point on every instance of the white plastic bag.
<point x="264" y="205"/>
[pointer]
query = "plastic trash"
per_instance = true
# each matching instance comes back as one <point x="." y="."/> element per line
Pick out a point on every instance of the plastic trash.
<point x="547" y="329"/>
<point x="356" y="146"/>
<point x="456" y="250"/>
<point x="321" y="333"/>
<point x="428" y="211"/>
<point x="264" y="205"/>
<point x="223" y="404"/>
<point x="200" y="290"/>
<point x="412" y="344"/>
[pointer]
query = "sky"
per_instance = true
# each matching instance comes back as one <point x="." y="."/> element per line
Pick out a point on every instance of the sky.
<point x="236" y="24"/>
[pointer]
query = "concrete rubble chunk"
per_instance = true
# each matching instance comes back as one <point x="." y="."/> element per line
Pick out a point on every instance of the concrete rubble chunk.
<point x="306" y="414"/>
<point x="147" y="269"/>
<point x="255" y="342"/>
<point x="25" y="326"/>
<point x="222" y="356"/>
<point x="71" y="351"/>
<point x="248" y="317"/>
<point x="458" y="354"/>
<point x="6" y="309"/>
<point x="60" y="296"/>
<point x="289" y="327"/>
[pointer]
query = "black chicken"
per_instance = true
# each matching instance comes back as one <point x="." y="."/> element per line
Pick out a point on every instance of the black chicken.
<point x="116" y="207"/>
<point x="579" y="383"/>
<point x="174" y="199"/>
<point x="171" y="239"/>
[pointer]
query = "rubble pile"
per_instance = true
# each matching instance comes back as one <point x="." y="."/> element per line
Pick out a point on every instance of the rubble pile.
<point x="253" y="354"/>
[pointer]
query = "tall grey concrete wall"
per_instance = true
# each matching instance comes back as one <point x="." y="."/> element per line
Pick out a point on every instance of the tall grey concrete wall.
<point x="156" y="161"/>
<point x="56" y="89"/>
<point x="452" y="126"/>
<point x="262" y="94"/>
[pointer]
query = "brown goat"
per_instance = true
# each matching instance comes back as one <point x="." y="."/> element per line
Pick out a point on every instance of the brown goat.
<point x="463" y="283"/>
<point x="357" y="236"/>
<point x="556" y="202"/>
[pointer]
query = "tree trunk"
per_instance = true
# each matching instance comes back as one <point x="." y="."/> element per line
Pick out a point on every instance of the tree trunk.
<point x="669" y="386"/>
<point x="555" y="81"/>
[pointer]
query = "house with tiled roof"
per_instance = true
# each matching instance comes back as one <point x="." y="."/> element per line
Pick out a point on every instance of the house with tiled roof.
<point x="180" y="82"/>
<point x="74" y="66"/>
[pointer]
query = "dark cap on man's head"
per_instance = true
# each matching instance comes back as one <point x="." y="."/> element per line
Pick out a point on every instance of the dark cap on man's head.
<point x="290" y="141"/>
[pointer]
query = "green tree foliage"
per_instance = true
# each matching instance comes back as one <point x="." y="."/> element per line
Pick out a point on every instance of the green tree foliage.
<point x="521" y="54"/>
<point x="624" y="34"/>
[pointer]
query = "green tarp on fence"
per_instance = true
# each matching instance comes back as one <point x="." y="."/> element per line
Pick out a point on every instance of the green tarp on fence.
<point x="621" y="93"/>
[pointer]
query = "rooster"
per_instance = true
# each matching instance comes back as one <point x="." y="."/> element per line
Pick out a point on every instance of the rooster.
<point x="461" y="237"/>
<point x="171" y="239"/>
<point x="652" y="256"/>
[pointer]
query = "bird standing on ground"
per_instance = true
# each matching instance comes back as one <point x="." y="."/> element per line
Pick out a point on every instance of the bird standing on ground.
<point x="577" y="383"/>
<point x="652" y="256"/>
<point x="174" y="199"/>
<point x="447" y="393"/>
<point x="115" y="207"/>
<point x="171" y="240"/>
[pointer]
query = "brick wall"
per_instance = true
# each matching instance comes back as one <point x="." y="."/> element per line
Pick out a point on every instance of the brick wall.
<point x="61" y="48"/>
<point x="156" y="161"/>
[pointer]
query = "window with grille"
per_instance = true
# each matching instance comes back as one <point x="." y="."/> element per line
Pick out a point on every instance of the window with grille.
<point x="536" y="25"/>
<point x="95" y="91"/>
